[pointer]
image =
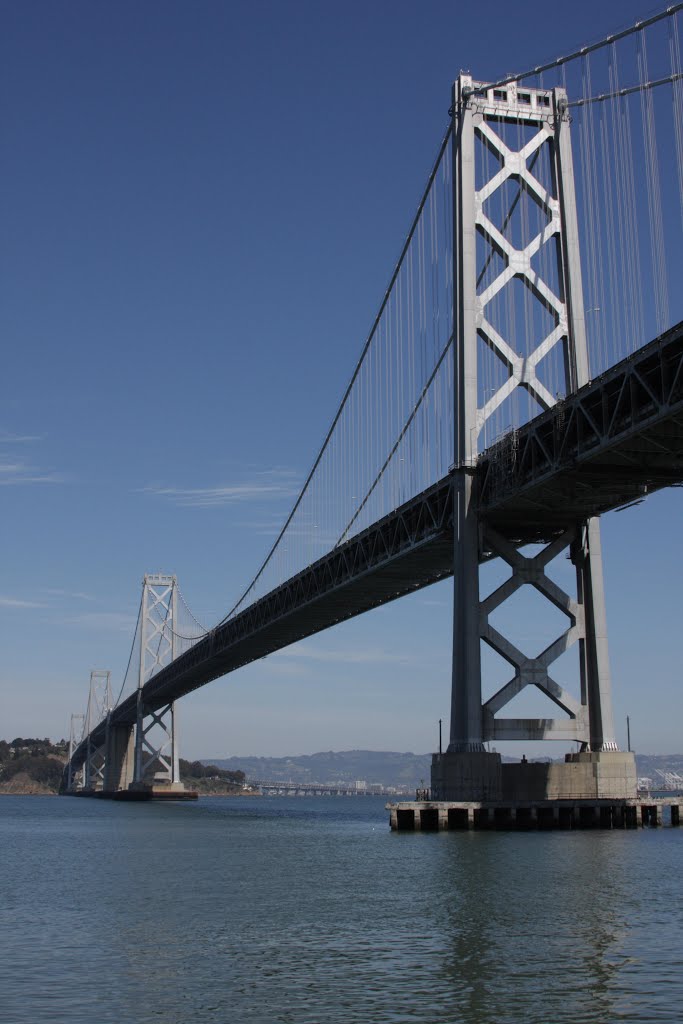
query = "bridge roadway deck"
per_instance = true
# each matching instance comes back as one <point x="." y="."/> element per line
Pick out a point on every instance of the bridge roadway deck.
<point x="612" y="442"/>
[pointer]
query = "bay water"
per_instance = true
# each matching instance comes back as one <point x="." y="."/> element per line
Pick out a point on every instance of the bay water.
<point x="310" y="911"/>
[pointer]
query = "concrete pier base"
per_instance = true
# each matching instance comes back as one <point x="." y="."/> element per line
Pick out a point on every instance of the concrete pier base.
<point x="467" y="775"/>
<point x="451" y="815"/>
<point x="482" y="777"/>
<point x="609" y="775"/>
<point x="156" y="790"/>
<point x="153" y="793"/>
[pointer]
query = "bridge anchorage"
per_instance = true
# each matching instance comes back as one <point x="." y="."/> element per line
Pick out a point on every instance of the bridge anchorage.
<point x="467" y="771"/>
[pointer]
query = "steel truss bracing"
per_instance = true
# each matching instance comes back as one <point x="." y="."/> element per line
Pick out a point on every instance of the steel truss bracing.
<point x="156" y="737"/>
<point x="397" y="555"/>
<point x="74" y="774"/>
<point x="481" y="115"/>
<point x="614" y="440"/>
<point x="531" y="670"/>
<point x="535" y="671"/>
<point x="156" y="744"/>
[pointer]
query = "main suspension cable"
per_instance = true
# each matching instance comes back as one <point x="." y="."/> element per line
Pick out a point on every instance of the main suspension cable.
<point x="584" y="50"/>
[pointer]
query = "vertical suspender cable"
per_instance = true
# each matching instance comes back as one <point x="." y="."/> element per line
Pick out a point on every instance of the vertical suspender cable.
<point x="659" y="282"/>
<point x="677" y="102"/>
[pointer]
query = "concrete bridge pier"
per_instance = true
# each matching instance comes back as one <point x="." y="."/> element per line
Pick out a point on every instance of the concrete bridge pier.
<point x="119" y="758"/>
<point x="467" y="775"/>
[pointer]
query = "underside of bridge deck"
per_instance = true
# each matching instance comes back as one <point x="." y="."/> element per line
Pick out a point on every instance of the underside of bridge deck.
<point x="614" y="441"/>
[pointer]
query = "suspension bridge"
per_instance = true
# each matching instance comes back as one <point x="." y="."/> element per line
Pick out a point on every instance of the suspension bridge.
<point x="523" y="377"/>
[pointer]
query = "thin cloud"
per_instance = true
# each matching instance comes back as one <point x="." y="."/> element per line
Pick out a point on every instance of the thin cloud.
<point x="22" y="478"/>
<point x="209" y="497"/>
<point x="286" y="669"/>
<point x="281" y="485"/>
<point x="77" y="594"/>
<point x="277" y="471"/>
<point x="15" y="470"/>
<point x="15" y="602"/>
<point x="117" y="622"/>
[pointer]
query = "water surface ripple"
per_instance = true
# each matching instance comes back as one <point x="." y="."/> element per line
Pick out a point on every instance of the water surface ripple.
<point x="310" y="911"/>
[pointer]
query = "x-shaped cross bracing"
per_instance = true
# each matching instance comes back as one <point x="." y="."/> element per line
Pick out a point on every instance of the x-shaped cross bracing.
<point x="158" y="650"/>
<point x="522" y="369"/>
<point x="94" y="769"/>
<point x="155" y="755"/>
<point x="532" y="670"/>
<point x="157" y="617"/>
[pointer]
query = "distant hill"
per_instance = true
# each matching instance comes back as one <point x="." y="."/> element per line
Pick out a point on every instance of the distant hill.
<point x="389" y="768"/>
<point x="34" y="766"/>
<point x="386" y="767"/>
<point x="31" y="766"/>
<point x="210" y="780"/>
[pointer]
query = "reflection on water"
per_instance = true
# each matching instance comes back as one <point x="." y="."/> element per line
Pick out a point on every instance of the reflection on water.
<point x="310" y="910"/>
<point x="534" y="927"/>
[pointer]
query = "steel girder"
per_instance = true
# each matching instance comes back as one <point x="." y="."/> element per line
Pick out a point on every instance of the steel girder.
<point x="612" y="442"/>
<point x="398" y="555"/>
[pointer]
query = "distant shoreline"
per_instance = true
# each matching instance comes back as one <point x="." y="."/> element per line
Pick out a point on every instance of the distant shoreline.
<point x="51" y="792"/>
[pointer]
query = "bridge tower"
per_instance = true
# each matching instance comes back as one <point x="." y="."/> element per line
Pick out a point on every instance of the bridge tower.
<point x="156" y="760"/>
<point x="99" y="706"/>
<point x="540" y="129"/>
<point x="74" y="779"/>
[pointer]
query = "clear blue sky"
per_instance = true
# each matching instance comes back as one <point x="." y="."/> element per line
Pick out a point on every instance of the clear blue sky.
<point x="201" y="204"/>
